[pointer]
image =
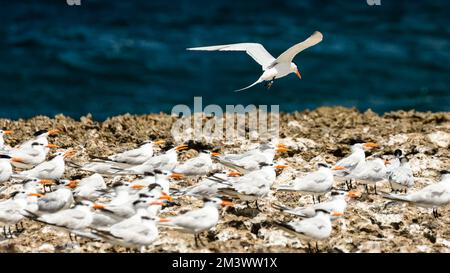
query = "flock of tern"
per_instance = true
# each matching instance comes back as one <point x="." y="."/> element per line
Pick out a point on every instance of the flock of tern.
<point x="129" y="212"/>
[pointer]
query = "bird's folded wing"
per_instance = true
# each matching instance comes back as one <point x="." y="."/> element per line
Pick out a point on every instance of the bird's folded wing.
<point x="289" y="54"/>
<point x="255" y="50"/>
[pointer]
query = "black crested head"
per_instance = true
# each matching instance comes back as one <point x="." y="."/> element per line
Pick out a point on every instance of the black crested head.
<point x="157" y="171"/>
<point x="5" y="156"/>
<point x="149" y="174"/>
<point x="153" y="186"/>
<point x="398" y="153"/>
<point x="117" y="184"/>
<point x="323" y="165"/>
<point x="143" y="195"/>
<point x="445" y="171"/>
<point x="138" y="202"/>
<point x="40" y="132"/>
<point x="35" y="143"/>
<point x="322" y="210"/>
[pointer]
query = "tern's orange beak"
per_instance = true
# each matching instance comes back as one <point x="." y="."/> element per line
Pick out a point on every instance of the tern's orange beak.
<point x="353" y="194"/>
<point x="176" y="176"/>
<point x="338" y="168"/>
<point x="280" y="167"/>
<point x="98" y="206"/>
<point x="215" y="154"/>
<point x="52" y="146"/>
<point x="46" y="182"/>
<point x="159" y="142"/>
<point x="8" y="132"/>
<point x="182" y="147"/>
<point x="17" y="159"/>
<point x="156" y="203"/>
<point x="137" y="186"/>
<point x="234" y="174"/>
<point x="337" y="214"/>
<point x="167" y="197"/>
<point x="281" y="150"/>
<point x="163" y="220"/>
<point x="298" y="74"/>
<point x="226" y="203"/>
<point x="35" y="194"/>
<point x="53" y="132"/>
<point x="69" y="153"/>
<point x="371" y="145"/>
<point x="72" y="184"/>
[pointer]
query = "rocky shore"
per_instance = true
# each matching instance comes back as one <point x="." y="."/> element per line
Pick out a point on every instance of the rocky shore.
<point x="370" y="224"/>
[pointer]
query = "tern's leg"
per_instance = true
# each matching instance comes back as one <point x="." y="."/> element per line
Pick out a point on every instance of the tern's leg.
<point x="318" y="198"/>
<point x="375" y="187"/>
<point x="4" y="232"/>
<point x="309" y="248"/>
<point x="314" y="199"/>
<point x="256" y="203"/>
<point x="367" y="189"/>
<point x="196" y="242"/>
<point x="200" y="240"/>
<point x="21" y="225"/>
<point x="270" y="83"/>
<point x="317" y="247"/>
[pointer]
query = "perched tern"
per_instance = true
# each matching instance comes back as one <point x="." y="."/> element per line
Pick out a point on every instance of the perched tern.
<point x="336" y="206"/>
<point x="28" y="157"/>
<point x="356" y="157"/>
<point x="11" y="210"/>
<point x="316" y="183"/>
<point x="316" y="228"/>
<point x="135" y="156"/>
<point x="41" y="137"/>
<point x="88" y="188"/>
<point x="432" y="196"/>
<point x="273" y="68"/>
<point x="52" y="169"/>
<point x="401" y="178"/>
<point x="5" y="168"/>
<point x="197" y="166"/>
<point x="2" y="141"/>
<point x="197" y="221"/>
<point x="370" y="172"/>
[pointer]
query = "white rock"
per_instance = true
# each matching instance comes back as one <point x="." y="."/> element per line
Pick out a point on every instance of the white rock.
<point x="441" y="139"/>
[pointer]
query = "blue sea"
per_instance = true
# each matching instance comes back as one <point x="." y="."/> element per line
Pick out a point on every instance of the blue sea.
<point x="115" y="57"/>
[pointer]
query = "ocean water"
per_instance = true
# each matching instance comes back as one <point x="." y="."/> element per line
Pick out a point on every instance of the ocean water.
<point x="114" y="57"/>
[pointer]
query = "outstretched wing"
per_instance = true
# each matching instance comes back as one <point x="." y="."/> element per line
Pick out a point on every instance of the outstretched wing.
<point x="289" y="54"/>
<point x="255" y="50"/>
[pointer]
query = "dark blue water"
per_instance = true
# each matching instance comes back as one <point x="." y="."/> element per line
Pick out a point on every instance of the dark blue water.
<point x="112" y="57"/>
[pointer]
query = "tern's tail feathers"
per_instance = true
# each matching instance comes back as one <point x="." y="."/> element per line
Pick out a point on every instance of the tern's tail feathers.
<point x="251" y="85"/>
<point x="396" y="197"/>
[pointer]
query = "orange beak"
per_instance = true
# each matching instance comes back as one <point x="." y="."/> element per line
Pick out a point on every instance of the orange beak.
<point x="234" y="174"/>
<point x="182" y="147"/>
<point x="159" y="142"/>
<point x="215" y="154"/>
<point x="298" y="74"/>
<point x="165" y="196"/>
<point x="69" y="153"/>
<point x="338" y="168"/>
<point x="52" y="146"/>
<point x="371" y="145"/>
<point x="137" y="186"/>
<point x="281" y="150"/>
<point x="156" y="203"/>
<point x="17" y="159"/>
<point x="35" y="194"/>
<point x="8" y="132"/>
<point x="337" y="214"/>
<point x="72" y="184"/>
<point x="353" y="194"/>
<point x="98" y="206"/>
<point x="164" y="220"/>
<point x="226" y="203"/>
<point x="176" y="176"/>
<point x="53" y="132"/>
<point x="46" y="182"/>
<point x="280" y="167"/>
